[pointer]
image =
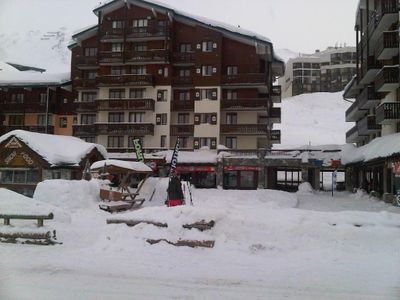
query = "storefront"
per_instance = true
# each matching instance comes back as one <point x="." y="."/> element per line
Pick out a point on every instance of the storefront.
<point x="240" y="177"/>
<point x="201" y="176"/>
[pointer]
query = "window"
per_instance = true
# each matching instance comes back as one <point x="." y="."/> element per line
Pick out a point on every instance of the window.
<point x="185" y="47"/>
<point x="89" y="139"/>
<point x="116" y="47"/>
<point x="232" y="70"/>
<point x="32" y="176"/>
<point x="183" y="118"/>
<point x="117" y="24"/>
<point x="89" y="74"/>
<point x="17" y="98"/>
<point x="116" y="117"/>
<point x="16" y="120"/>
<point x="63" y="122"/>
<point x="41" y="120"/>
<point x="207" y="46"/>
<point x="205" y="142"/>
<point x="56" y="174"/>
<point x="184" y="73"/>
<point x="90" y="51"/>
<point x="136" y="117"/>
<point x="161" y="119"/>
<point x="205" y="118"/>
<point x="131" y="138"/>
<point x="231" y="95"/>
<point x="231" y="142"/>
<point x="210" y="94"/>
<point x="136" y="93"/>
<point x="88" y="119"/>
<point x="140" y="23"/>
<point x="183" y="142"/>
<point x="117" y="94"/>
<point x="117" y="71"/>
<point x="163" y="141"/>
<point x="184" y="96"/>
<point x="231" y="118"/>
<point x="162" y="95"/>
<point x="140" y="70"/>
<point x="20" y="176"/>
<point x="140" y="47"/>
<point x="206" y="70"/>
<point x="115" y="142"/>
<point x="89" y="96"/>
<point x="43" y="98"/>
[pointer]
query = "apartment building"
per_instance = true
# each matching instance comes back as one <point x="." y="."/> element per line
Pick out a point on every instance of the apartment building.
<point x="324" y="71"/>
<point x="151" y="72"/>
<point x="31" y="99"/>
<point x="376" y="93"/>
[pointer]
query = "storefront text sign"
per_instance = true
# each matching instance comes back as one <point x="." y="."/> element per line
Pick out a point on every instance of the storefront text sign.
<point x="10" y="157"/>
<point x="18" y="159"/>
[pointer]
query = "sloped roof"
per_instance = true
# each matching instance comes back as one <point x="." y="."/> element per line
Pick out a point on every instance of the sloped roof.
<point x="57" y="150"/>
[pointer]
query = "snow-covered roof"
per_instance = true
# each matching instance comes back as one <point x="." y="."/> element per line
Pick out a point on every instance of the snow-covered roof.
<point x="11" y="76"/>
<point x="128" y="165"/>
<point x="202" y="156"/>
<point x="57" y="150"/>
<point x="382" y="147"/>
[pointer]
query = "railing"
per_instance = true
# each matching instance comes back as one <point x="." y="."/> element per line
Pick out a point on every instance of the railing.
<point x="351" y="132"/>
<point x="183" y="80"/>
<point x="151" y="31"/>
<point x="32" y="128"/>
<point x="86" y="60"/>
<point x="368" y="94"/>
<point x="32" y="107"/>
<point x="245" y="129"/>
<point x="86" y="106"/>
<point x="80" y="130"/>
<point x="389" y="111"/>
<point x="383" y="7"/>
<point x="112" y="33"/>
<point x="122" y="104"/>
<point x="178" y="105"/>
<point x="388" y="39"/>
<point x="111" y="56"/>
<point x="184" y="57"/>
<point x="128" y="79"/>
<point x="368" y="124"/>
<point x="125" y="128"/>
<point x="244" y="104"/>
<point x="247" y="78"/>
<point x="182" y="130"/>
<point x="352" y="108"/>
<point x="85" y="83"/>
<point x="370" y="64"/>
<point x="276" y="93"/>
<point x="387" y="75"/>
<point x="148" y="56"/>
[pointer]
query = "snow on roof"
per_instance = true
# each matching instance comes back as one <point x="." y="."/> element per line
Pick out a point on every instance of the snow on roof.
<point x="57" y="150"/>
<point x="10" y="76"/>
<point x="378" y="148"/>
<point x="129" y="165"/>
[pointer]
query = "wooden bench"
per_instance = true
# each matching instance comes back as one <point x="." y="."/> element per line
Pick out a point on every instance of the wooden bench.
<point x="116" y="206"/>
<point x="39" y="218"/>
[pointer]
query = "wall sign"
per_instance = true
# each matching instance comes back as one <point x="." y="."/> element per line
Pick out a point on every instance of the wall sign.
<point x="13" y="144"/>
<point x="10" y="157"/>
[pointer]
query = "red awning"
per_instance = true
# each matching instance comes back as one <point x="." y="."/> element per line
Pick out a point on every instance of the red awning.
<point x="190" y="169"/>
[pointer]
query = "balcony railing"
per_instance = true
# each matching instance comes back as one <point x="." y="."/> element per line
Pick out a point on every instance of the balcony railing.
<point x="86" y="106"/>
<point x="147" y="56"/>
<point x="86" y="60"/>
<point x="276" y="95"/>
<point x="244" y="129"/>
<point x="387" y="79"/>
<point x="81" y="130"/>
<point x="388" y="45"/>
<point x="370" y="64"/>
<point x="125" y="128"/>
<point x="246" y="78"/>
<point x="32" y="128"/>
<point x="183" y="80"/>
<point x="368" y="98"/>
<point x="128" y="79"/>
<point x="112" y="33"/>
<point x="153" y="30"/>
<point x="388" y="113"/>
<point x="111" y="56"/>
<point x="182" y="130"/>
<point x="32" y="107"/>
<point x="184" y="57"/>
<point x="367" y="125"/>
<point x="244" y="104"/>
<point x="178" y="105"/>
<point x="125" y="104"/>
<point x="85" y="83"/>
<point x="384" y="7"/>
<point x="352" y="134"/>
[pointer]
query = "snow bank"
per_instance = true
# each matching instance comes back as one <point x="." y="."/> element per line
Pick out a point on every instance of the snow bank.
<point x="129" y="165"/>
<point x="14" y="203"/>
<point x="70" y="195"/>
<point x="305" y="188"/>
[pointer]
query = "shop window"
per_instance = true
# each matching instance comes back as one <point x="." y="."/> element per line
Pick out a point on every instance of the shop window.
<point x="19" y="176"/>
<point x="32" y="176"/>
<point x="230" y="179"/>
<point x="247" y="179"/>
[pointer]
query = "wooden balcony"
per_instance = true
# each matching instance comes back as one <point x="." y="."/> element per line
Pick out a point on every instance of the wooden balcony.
<point x="368" y="125"/>
<point x="148" y="56"/>
<point x="368" y="98"/>
<point x="31" y="128"/>
<point x="84" y="130"/>
<point x="387" y="79"/>
<point x="182" y="130"/>
<point x="276" y="94"/>
<point x="245" y="79"/>
<point x="244" y="129"/>
<point x="127" y="79"/>
<point x="388" y="113"/>
<point x="111" y="57"/>
<point x="369" y="68"/>
<point x="30" y="107"/>
<point x="184" y="58"/>
<point x="86" y="106"/>
<point x="84" y="62"/>
<point x="125" y="104"/>
<point x="179" y="105"/>
<point x="180" y="80"/>
<point x="153" y="31"/>
<point x="387" y="45"/>
<point x="245" y="104"/>
<point x="136" y="129"/>
<point x="85" y="83"/>
<point x="112" y="34"/>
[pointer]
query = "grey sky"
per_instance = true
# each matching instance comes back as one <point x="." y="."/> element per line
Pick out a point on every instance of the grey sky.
<point x="299" y="25"/>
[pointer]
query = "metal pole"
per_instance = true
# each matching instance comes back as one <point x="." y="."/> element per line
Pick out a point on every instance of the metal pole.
<point x="47" y="109"/>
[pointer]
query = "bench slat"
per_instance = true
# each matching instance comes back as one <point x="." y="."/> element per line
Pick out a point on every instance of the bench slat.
<point x="27" y="217"/>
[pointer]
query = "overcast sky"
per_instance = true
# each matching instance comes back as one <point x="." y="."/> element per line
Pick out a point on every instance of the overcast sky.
<point x="299" y="25"/>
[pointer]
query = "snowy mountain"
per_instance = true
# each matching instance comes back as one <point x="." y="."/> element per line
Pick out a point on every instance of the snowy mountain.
<point x="315" y="119"/>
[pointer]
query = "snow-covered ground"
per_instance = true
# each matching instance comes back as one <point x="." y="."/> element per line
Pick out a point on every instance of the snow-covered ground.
<point x="268" y="245"/>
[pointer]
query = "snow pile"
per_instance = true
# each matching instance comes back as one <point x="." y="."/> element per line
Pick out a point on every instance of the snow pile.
<point x="69" y="195"/>
<point x="56" y="149"/>
<point x="305" y="188"/>
<point x="129" y="165"/>
<point x="14" y="203"/>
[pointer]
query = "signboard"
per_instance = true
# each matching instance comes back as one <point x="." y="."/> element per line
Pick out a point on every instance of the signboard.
<point x="13" y="144"/>
<point x="18" y="159"/>
<point x="190" y="169"/>
<point x="138" y="150"/>
<point x="241" y="168"/>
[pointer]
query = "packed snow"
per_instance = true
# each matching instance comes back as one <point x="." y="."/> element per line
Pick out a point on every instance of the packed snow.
<point x="268" y="244"/>
<point x="129" y="165"/>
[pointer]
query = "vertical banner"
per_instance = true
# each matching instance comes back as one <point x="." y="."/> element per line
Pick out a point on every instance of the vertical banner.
<point x="138" y="150"/>
<point x="334" y="180"/>
<point x="174" y="159"/>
